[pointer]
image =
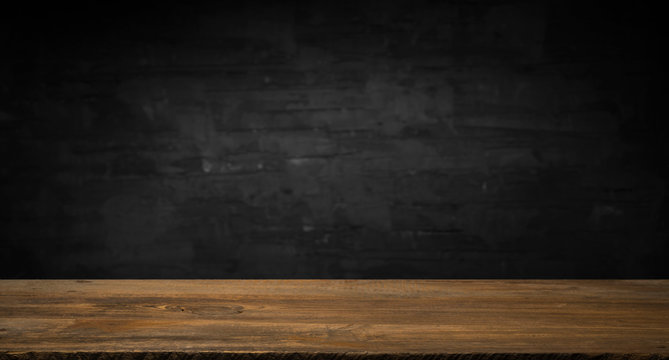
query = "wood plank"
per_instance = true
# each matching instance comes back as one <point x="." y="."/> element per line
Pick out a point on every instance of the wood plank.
<point x="350" y="317"/>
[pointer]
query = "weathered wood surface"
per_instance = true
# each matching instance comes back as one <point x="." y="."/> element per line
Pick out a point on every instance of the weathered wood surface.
<point x="350" y="317"/>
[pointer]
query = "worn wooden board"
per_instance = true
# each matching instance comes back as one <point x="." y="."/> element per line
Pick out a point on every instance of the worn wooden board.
<point x="350" y="317"/>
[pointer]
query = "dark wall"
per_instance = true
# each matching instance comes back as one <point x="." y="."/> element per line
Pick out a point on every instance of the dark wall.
<point x="468" y="138"/>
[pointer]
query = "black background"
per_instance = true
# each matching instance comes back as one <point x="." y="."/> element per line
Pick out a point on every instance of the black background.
<point x="348" y="139"/>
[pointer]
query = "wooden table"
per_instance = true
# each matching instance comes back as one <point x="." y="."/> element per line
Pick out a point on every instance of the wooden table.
<point x="334" y="319"/>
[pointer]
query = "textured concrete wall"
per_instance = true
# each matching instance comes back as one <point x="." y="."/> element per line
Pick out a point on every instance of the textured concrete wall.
<point x="466" y="138"/>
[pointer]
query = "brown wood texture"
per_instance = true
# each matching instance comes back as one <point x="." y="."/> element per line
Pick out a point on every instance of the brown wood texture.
<point x="354" y="317"/>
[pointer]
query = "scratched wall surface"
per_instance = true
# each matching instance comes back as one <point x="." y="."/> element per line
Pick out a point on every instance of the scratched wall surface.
<point x="469" y="138"/>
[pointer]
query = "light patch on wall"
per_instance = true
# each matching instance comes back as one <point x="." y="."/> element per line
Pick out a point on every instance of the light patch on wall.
<point x="299" y="161"/>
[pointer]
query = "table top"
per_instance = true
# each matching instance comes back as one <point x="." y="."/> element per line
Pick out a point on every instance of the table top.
<point x="336" y="316"/>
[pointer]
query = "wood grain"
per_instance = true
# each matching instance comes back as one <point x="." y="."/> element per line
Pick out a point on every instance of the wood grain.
<point x="328" y="319"/>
